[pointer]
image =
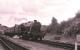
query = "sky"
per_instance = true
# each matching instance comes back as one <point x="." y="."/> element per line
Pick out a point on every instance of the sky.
<point x="19" y="11"/>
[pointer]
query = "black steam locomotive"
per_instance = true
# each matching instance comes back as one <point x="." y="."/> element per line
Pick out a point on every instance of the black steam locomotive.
<point x="25" y="32"/>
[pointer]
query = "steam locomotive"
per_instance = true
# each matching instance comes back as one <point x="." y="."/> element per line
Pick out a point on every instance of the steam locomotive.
<point x="25" y="32"/>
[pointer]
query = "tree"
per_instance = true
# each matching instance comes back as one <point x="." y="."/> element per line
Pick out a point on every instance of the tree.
<point x="54" y="21"/>
<point x="52" y="28"/>
<point x="77" y="15"/>
<point x="73" y="27"/>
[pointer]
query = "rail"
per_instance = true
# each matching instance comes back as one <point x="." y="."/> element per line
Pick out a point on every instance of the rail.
<point x="10" y="45"/>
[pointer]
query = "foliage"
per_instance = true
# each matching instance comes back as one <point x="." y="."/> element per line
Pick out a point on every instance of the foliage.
<point x="52" y="28"/>
<point x="73" y="27"/>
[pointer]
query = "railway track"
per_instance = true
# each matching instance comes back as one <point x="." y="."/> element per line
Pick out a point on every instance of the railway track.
<point x="8" y="45"/>
<point x="58" y="44"/>
<point x="50" y="43"/>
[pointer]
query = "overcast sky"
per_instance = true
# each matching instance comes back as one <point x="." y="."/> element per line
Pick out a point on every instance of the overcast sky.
<point x="18" y="11"/>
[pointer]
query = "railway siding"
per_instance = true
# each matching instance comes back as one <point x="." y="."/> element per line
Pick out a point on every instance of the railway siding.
<point x="42" y="44"/>
<point x="34" y="45"/>
<point x="10" y="45"/>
